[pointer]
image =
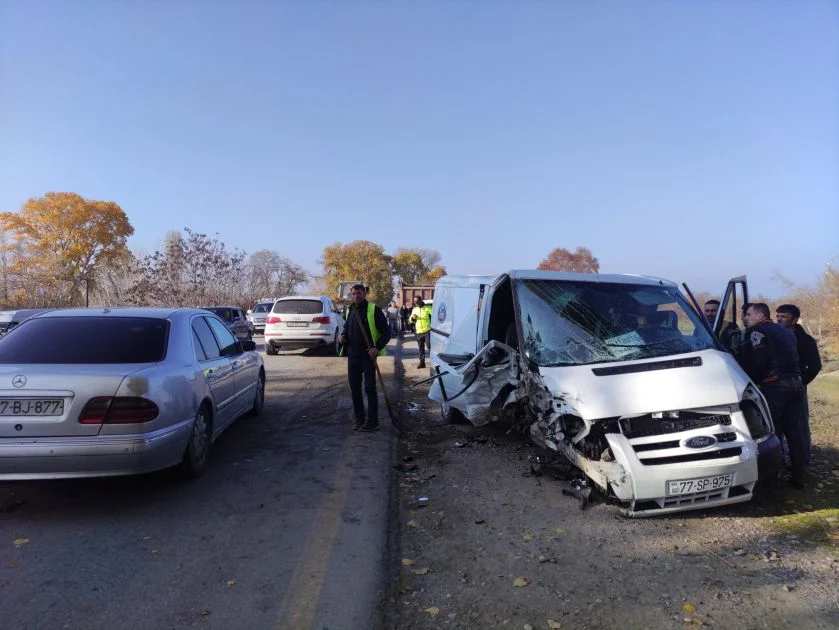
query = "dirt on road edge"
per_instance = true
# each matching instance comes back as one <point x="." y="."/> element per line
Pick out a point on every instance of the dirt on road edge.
<point x="485" y="538"/>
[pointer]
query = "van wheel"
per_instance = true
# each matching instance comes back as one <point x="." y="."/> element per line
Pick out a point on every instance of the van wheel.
<point x="451" y="415"/>
<point x="270" y="349"/>
<point x="198" y="450"/>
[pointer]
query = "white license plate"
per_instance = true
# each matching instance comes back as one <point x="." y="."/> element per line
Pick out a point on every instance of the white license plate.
<point x="31" y="406"/>
<point x="297" y="324"/>
<point x="702" y="484"/>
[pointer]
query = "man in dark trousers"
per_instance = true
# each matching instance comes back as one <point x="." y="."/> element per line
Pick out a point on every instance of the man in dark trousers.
<point x="809" y="361"/>
<point x="770" y="357"/>
<point x="361" y="356"/>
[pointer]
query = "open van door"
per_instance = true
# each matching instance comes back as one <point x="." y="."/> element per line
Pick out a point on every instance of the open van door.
<point x="467" y="376"/>
<point x="726" y="327"/>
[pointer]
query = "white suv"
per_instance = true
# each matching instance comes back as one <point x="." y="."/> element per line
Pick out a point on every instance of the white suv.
<point x="258" y="314"/>
<point x="303" y="321"/>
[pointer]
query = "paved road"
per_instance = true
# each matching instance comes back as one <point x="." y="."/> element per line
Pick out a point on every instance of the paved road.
<point x="287" y="529"/>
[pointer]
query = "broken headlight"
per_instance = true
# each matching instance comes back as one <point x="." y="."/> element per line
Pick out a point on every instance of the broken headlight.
<point x="759" y="425"/>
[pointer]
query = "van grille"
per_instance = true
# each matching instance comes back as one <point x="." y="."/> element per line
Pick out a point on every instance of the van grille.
<point x="693" y="457"/>
<point x="658" y="446"/>
<point x="704" y="497"/>
<point x="645" y="426"/>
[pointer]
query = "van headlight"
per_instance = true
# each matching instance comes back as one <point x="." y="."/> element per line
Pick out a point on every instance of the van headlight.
<point x="759" y="424"/>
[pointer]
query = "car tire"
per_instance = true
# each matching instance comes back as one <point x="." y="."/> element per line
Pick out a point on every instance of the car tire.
<point x="451" y="415"/>
<point x="270" y="349"/>
<point x="197" y="450"/>
<point x="336" y="347"/>
<point x="259" y="397"/>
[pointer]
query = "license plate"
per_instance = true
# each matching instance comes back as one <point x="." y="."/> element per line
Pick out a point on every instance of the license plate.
<point x="297" y="324"/>
<point x="31" y="406"/>
<point x="702" y="484"/>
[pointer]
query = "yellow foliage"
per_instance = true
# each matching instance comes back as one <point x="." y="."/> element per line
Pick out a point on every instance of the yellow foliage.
<point x="360" y="260"/>
<point x="63" y="238"/>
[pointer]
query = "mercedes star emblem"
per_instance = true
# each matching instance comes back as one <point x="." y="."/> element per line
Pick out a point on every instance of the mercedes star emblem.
<point x="19" y="380"/>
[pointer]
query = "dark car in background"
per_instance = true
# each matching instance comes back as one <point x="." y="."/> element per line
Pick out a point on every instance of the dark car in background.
<point x="235" y="319"/>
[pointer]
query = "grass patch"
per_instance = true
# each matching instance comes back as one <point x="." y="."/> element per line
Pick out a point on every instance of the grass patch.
<point x="818" y="526"/>
<point x="825" y="388"/>
<point x="812" y="514"/>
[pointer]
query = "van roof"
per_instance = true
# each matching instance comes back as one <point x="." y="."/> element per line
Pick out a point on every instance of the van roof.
<point x="538" y="274"/>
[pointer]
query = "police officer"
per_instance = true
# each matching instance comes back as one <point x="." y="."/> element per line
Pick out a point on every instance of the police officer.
<point x="366" y="321"/>
<point x="421" y="318"/>
<point x="770" y="358"/>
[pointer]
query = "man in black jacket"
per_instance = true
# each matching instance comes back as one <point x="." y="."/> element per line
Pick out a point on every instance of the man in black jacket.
<point x="366" y="323"/>
<point x="770" y="358"/>
<point x="787" y="315"/>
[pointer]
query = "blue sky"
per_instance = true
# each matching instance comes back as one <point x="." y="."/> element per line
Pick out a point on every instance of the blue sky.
<point x="685" y="139"/>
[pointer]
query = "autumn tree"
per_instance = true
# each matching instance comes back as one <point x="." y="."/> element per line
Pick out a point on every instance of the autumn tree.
<point x="417" y="266"/>
<point x="111" y="285"/>
<point x="194" y="270"/>
<point x="819" y="306"/>
<point x="62" y="239"/>
<point x="580" y="260"/>
<point x="362" y="260"/>
<point x="272" y="274"/>
<point x="434" y="274"/>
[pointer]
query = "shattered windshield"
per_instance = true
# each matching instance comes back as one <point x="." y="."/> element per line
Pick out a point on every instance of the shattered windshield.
<point x="577" y="323"/>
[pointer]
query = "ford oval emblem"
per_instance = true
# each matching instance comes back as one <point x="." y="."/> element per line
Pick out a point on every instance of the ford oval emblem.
<point x="441" y="313"/>
<point x="700" y="441"/>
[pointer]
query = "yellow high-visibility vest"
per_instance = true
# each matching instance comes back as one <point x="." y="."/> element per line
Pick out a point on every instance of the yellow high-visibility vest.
<point x="422" y="316"/>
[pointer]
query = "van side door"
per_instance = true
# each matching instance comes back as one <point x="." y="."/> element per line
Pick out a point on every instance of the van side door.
<point x="469" y="372"/>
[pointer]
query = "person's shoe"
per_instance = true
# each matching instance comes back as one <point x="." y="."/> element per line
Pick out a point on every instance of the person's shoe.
<point x="357" y="425"/>
<point x="421" y="366"/>
<point x="369" y="428"/>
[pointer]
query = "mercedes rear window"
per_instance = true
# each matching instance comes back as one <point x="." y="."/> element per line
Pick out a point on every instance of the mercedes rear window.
<point x="298" y="307"/>
<point x="86" y="340"/>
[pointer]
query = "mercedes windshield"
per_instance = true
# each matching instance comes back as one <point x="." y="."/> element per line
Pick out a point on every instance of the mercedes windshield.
<point x="580" y="323"/>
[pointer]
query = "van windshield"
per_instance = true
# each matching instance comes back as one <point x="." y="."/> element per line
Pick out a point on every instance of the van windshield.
<point x="578" y="323"/>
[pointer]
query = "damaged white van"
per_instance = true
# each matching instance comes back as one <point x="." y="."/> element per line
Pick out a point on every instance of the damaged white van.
<point x="620" y="374"/>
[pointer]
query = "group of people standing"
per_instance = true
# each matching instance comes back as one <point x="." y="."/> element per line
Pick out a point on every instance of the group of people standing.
<point x="781" y="359"/>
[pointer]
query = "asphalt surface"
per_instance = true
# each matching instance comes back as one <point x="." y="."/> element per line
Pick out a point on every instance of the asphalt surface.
<point x="287" y="529"/>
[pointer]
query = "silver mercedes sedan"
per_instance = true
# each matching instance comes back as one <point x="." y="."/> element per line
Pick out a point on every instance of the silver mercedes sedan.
<point x="101" y="392"/>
